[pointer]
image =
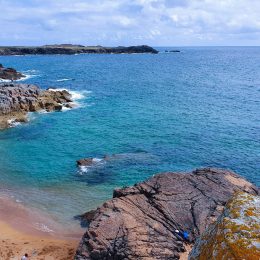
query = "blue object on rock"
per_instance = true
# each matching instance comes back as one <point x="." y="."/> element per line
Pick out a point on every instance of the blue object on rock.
<point x="185" y="235"/>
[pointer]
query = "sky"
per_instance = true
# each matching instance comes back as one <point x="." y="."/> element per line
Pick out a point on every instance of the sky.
<point x="130" y="22"/>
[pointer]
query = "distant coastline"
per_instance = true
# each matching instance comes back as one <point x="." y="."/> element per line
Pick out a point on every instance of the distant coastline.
<point x="70" y="49"/>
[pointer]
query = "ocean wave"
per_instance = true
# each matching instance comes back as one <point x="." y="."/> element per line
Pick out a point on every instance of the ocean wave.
<point x="61" y="80"/>
<point x="27" y="76"/>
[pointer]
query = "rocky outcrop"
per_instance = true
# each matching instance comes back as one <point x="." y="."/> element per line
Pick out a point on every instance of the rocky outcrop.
<point x="18" y="99"/>
<point x="236" y="233"/>
<point x="75" y="49"/>
<point x="10" y="73"/>
<point x="146" y="221"/>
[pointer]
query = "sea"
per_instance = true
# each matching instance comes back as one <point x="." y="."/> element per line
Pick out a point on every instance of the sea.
<point x="144" y="113"/>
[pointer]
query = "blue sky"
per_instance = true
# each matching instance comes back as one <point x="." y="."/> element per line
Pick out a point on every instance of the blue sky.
<point x="122" y="22"/>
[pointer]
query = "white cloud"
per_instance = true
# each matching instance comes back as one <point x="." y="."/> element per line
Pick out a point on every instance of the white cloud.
<point x="123" y="22"/>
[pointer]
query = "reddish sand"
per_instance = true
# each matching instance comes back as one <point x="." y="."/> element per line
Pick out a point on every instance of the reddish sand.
<point x="24" y="230"/>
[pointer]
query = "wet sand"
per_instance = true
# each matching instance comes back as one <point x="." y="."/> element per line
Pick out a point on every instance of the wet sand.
<point x="24" y="230"/>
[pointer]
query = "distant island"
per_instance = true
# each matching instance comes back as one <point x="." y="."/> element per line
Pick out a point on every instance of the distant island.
<point x="71" y="49"/>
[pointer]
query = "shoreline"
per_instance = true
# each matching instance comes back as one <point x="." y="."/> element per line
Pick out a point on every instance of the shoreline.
<point x="20" y="234"/>
<point x="14" y="244"/>
<point x="33" y="221"/>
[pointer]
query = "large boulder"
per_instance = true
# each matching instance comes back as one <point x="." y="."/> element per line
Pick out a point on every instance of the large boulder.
<point x="145" y="221"/>
<point x="236" y="233"/>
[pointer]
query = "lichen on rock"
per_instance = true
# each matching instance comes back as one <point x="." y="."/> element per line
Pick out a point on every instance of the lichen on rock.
<point x="235" y="234"/>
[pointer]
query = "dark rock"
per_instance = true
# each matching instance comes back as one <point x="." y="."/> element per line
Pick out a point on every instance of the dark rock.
<point x="86" y="218"/>
<point x="10" y="73"/>
<point x="140" y="222"/>
<point x="85" y="162"/>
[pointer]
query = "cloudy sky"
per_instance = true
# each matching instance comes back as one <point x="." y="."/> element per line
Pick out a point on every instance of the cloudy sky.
<point x="128" y="22"/>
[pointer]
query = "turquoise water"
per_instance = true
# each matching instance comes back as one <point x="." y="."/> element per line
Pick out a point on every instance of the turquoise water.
<point x="165" y="112"/>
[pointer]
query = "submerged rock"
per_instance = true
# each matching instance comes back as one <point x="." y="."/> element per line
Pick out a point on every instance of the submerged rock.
<point x="10" y="73"/>
<point x="18" y="99"/>
<point x="140" y="222"/>
<point x="236" y="233"/>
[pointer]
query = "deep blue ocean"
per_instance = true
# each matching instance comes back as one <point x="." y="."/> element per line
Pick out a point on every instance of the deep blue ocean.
<point x="154" y="113"/>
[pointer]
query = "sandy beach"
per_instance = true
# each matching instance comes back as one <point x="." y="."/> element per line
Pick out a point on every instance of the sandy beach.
<point x="20" y="235"/>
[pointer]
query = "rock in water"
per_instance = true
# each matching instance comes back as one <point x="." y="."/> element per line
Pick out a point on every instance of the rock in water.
<point x="85" y="162"/>
<point x="10" y="73"/>
<point x="140" y="222"/>
<point x="236" y="233"/>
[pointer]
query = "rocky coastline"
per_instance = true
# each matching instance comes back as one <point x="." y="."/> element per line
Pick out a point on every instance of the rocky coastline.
<point x="10" y="74"/>
<point x="148" y="220"/>
<point x="16" y="100"/>
<point x="70" y="49"/>
<point x="172" y="215"/>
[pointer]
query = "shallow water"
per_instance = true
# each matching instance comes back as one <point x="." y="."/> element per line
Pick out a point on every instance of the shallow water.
<point x="155" y="113"/>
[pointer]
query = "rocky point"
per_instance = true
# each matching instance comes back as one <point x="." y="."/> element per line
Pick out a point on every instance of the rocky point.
<point x="148" y="220"/>
<point x="16" y="100"/>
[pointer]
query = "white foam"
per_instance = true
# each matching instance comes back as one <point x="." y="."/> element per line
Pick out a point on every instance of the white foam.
<point x="27" y="76"/>
<point x="65" y="108"/>
<point x="42" y="227"/>
<point x="61" y="80"/>
<point x="83" y="169"/>
<point x="97" y="160"/>
<point x="5" y="80"/>
<point x="42" y="111"/>
<point x="76" y="95"/>
<point x="12" y="122"/>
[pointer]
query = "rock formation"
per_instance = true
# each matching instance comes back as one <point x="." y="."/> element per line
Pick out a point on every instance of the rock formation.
<point x="236" y="233"/>
<point x="75" y="49"/>
<point x="140" y="222"/>
<point x="18" y="99"/>
<point x="9" y="73"/>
